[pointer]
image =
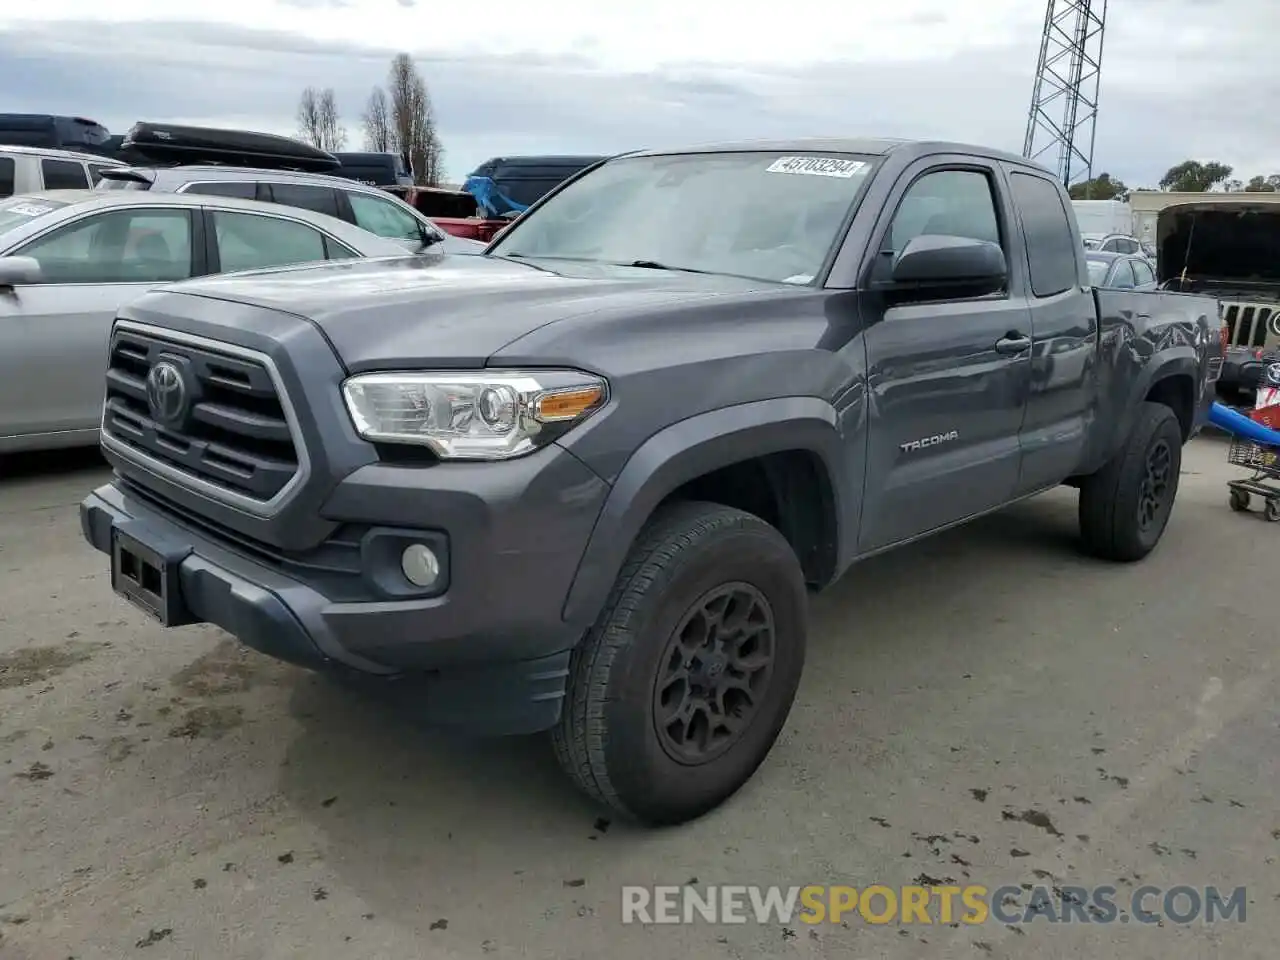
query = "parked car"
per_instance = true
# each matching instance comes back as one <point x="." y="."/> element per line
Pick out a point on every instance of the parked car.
<point x="367" y="207"/>
<point x="51" y="132"/>
<point x="1227" y="248"/>
<point x="582" y="482"/>
<point x="1120" y="271"/>
<point x="457" y="212"/>
<point x="32" y="169"/>
<point x="374" y="168"/>
<point x="70" y="259"/>
<point x="523" y="181"/>
<point x="1114" y="243"/>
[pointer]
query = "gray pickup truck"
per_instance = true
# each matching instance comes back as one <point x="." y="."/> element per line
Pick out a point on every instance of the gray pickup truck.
<point x="582" y="483"/>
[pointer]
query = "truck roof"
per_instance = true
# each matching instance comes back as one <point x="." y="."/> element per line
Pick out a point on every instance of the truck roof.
<point x="881" y="146"/>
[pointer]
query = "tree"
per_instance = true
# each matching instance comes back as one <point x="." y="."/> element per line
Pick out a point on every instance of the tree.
<point x="309" y="116"/>
<point x="1192" y="176"/>
<point x="333" y="135"/>
<point x="318" y="120"/>
<point x="376" y="119"/>
<point x="413" y="120"/>
<point x="1261" y="184"/>
<point x="1101" y="187"/>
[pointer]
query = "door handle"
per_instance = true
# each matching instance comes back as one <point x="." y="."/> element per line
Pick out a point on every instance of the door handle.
<point x="1013" y="343"/>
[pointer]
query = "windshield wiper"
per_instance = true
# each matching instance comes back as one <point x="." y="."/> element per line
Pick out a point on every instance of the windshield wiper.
<point x="656" y="265"/>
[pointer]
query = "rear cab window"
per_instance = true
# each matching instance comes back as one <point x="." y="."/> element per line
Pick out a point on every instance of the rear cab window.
<point x="64" y="175"/>
<point x="8" y="177"/>
<point x="1052" y="245"/>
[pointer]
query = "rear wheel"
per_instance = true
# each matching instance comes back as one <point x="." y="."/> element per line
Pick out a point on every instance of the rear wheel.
<point x="1272" y="510"/>
<point x="1125" y="506"/>
<point x="1239" y="501"/>
<point x="680" y="690"/>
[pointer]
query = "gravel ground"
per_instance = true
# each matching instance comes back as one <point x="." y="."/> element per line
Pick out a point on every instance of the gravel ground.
<point x="987" y="707"/>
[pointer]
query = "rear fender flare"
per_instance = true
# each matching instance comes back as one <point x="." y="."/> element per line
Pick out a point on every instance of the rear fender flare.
<point x="687" y="450"/>
<point x="1178" y="361"/>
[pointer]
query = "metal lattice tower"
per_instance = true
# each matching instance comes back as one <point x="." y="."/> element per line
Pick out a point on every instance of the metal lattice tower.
<point x="1064" y="100"/>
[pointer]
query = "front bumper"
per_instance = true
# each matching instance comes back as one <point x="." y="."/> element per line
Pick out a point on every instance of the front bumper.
<point x="488" y="655"/>
<point x="1243" y="372"/>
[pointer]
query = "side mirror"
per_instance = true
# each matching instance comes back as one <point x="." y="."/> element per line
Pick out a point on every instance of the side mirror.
<point x="934" y="260"/>
<point x="16" y="271"/>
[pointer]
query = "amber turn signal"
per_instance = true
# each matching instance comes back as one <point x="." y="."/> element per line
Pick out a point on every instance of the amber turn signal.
<point x="567" y="404"/>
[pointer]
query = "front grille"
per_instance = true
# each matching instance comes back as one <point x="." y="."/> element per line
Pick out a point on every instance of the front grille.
<point x="1250" y="324"/>
<point x="232" y="433"/>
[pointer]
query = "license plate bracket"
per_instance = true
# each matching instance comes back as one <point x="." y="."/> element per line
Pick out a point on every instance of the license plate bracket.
<point x="147" y="575"/>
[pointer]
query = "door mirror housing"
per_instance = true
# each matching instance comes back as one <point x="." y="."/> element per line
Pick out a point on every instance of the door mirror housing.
<point x="17" y="271"/>
<point x="936" y="260"/>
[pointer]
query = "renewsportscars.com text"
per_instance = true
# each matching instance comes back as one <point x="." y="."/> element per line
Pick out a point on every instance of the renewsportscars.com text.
<point x="926" y="905"/>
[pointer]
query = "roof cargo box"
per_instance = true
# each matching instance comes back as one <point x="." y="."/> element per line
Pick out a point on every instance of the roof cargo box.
<point x="165" y="143"/>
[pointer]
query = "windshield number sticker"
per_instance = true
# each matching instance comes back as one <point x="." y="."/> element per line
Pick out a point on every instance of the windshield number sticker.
<point x="28" y="209"/>
<point x="817" y="166"/>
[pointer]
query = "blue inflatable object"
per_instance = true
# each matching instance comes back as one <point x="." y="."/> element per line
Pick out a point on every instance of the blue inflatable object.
<point x="493" y="203"/>
<point x="1237" y="423"/>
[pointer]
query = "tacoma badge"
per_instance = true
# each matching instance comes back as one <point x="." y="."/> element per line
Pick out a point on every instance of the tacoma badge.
<point x="912" y="445"/>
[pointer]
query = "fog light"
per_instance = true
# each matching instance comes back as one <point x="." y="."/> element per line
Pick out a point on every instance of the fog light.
<point x="420" y="565"/>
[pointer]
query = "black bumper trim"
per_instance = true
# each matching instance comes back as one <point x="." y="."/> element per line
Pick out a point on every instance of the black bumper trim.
<point x="285" y="619"/>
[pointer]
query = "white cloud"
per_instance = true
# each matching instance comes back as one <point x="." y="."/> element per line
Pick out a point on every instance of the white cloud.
<point x="620" y="36"/>
<point x="1181" y="78"/>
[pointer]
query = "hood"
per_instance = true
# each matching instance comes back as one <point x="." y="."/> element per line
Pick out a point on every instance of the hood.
<point x="450" y="311"/>
<point x="1221" y="243"/>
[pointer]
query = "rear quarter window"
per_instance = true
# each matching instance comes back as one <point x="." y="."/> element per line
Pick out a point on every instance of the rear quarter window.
<point x="306" y="196"/>
<point x="64" y="175"/>
<point x="1052" y="245"/>
<point x="7" y="176"/>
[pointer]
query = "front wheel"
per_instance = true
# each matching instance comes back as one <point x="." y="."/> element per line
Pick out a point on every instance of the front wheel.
<point x="1125" y="506"/>
<point x="1272" y="510"/>
<point x="679" y="691"/>
<point x="1239" y="501"/>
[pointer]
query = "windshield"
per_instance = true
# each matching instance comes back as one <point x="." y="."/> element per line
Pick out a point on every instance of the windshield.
<point x="1097" y="271"/>
<point x="766" y="216"/>
<point x="19" y="211"/>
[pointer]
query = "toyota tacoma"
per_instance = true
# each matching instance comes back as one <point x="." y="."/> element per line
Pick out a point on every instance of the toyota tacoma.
<point x="583" y="482"/>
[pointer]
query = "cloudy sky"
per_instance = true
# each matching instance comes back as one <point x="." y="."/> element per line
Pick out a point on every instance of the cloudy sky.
<point x="1181" y="78"/>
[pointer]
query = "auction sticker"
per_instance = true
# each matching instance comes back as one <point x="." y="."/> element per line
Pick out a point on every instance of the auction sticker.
<point x="28" y="209"/>
<point x="817" y="166"/>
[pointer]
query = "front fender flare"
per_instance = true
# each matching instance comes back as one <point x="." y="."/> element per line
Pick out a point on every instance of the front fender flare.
<point x="687" y="450"/>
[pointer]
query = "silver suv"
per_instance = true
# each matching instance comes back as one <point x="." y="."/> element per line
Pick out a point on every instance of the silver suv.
<point x="367" y="207"/>
<point x="33" y="169"/>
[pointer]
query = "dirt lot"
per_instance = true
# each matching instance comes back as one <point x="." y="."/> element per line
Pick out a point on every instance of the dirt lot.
<point x="987" y="707"/>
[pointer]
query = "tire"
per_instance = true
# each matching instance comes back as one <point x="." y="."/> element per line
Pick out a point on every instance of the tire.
<point x="1239" y="501"/>
<point x="1272" y="510"/>
<point x="608" y="739"/>
<point x="1110" y="500"/>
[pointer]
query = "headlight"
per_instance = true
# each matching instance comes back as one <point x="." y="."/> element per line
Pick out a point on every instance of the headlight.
<point x="486" y="415"/>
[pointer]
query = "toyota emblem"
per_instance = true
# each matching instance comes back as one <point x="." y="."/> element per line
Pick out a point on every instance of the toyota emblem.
<point x="166" y="392"/>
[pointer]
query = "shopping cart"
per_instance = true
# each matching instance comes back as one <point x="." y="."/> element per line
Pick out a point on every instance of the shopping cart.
<point x="1260" y="457"/>
<point x="1265" y="463"/>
